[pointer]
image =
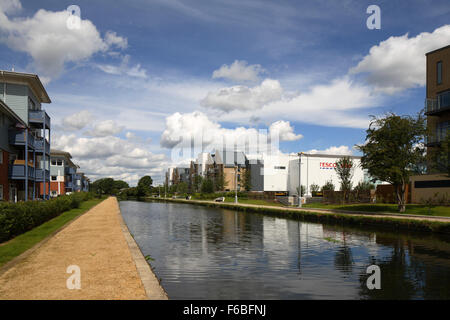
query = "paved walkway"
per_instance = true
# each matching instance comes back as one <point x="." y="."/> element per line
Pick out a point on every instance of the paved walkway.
<point x="96" y="242"/>
<point x="328" y="211"/>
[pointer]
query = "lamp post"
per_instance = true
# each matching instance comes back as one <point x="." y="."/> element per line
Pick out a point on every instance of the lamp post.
<point x="300" y="179"/>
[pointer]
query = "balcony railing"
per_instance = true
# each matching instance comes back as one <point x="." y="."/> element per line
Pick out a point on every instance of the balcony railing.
<point x="17" y="171"/>
<point x="39" y="116"/>
<point x="18" y="137"/>
<point x="69" y="184"/>
<point x="41" y="173"/>
<point x="441" y="103"/>
<point x="39" y="145"/>
<point x="69" y="170"/>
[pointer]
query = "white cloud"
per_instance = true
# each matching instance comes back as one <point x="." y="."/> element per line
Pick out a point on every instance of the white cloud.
<point x="341" y="150"/>
<point x="10" y="6"/>
<point x="242" y="97"/>
<point x="124" y="69"/>
<point x="105" y="128"/>
<point x="78" y="121"/>
<point x="399" y="63"/>
<point x="51" y="44"/>
<point x="239" y="71"/>
<point x="112" y="157"/>
<point x="284" y="130"/>
<point x="112" y="39"/>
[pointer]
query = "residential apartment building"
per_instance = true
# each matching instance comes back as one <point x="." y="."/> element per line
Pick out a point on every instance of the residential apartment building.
<point x="64" y="178"/>
<point x="435" y="184"/>
<point x="25" y="137"/>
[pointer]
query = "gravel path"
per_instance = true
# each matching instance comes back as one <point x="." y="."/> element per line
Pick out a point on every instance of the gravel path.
<point x="94" y="242"/>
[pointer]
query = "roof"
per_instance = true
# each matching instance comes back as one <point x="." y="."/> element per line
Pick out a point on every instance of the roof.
<point x="60" y="153"/>
<point x="32" y="80"/>
<point x="11" y="113"/>
<point x="319" y="155"/>
<point x="229" y="158"/>
<point x="443" y="48"/>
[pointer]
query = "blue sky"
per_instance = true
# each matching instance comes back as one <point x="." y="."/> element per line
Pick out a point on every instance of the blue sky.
<point x="138" y="74"/>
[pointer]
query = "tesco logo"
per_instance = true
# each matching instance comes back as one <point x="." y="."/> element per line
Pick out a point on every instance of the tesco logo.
<point x="330" y="165"/>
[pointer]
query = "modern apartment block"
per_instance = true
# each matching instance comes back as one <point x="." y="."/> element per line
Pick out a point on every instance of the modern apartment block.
<point x="25" y="137"/>
<point x="438" y="97"/>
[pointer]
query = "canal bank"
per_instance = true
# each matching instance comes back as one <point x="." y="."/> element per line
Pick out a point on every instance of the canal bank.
<point x="99" y="244"/>
<point x="355" y="218"/>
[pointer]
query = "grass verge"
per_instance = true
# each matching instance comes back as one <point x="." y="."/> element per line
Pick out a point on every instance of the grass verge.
<point x="416" y="209"/>
<point x="14" y="247"/>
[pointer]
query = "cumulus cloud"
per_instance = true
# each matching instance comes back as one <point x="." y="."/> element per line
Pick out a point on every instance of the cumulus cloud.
<point x="191" y="133"/>
<point x="105" y="128"/>
<point x="47" y="39"/>
<point x="341" y="150"/>
<point x="112" y="157"/>
<point x="78" y="121"/>
<point x="399" y="63"/>
<point x="10" y="6"/>
<point x="239" y="71"/>
<point x="284" y="130"/>
<point x="242" y="97"/>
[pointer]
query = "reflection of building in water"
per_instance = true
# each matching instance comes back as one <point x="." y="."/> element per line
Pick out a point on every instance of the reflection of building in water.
<point x="341" y="234"/>
<point x="245" y="229"/>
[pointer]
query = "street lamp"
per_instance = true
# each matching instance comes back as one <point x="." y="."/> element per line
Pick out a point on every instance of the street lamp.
<point x="300" y="179"/>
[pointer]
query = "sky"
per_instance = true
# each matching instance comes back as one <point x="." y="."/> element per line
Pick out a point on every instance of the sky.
<point x="131" y="82"/>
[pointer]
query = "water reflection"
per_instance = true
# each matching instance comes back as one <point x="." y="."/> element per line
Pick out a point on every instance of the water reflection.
<point x="210" y="253"/>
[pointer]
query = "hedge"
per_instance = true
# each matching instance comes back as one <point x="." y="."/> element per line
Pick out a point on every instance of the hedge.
<point x="17" y="218"/>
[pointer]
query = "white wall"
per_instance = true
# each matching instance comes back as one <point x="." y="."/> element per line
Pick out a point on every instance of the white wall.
<point x="318" y="170"/>
<point x="275" y="179"/>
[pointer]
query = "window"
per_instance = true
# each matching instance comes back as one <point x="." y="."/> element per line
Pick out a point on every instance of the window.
<point x="444" y="99"/>
<point x="1" y="192"/>
<point x="53" y="162"/>
<point x="1" y="156"/>
<point x="54" y="178"/>
<point x="59" y="162"/>
<point x="281" y="168"/>
<point x="439" y="72"/>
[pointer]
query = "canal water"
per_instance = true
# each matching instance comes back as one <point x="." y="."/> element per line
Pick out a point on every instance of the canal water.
<point x="211" y="253"/>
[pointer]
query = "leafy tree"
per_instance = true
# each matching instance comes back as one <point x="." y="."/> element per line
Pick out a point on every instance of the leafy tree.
<point x="364" y="186"/>
<point x="344" y="170"/>
<point x="145" y="184"/>
<point x="207" y="186"/>
<point x="303" y="188"/>
<point x="328" y="186"/>
<point x="247" y="179"/>
<point x="314" y="189"/>
<point x="182" y="188"/>
<point x="394" y="151"/>
<point x="219" y="182"/>
<point x="198" y="181"/>
<point x="119" y="184"/>
<point x="103" y="186"/>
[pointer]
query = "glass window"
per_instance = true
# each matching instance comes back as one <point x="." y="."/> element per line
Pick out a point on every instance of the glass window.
<point x="1" y="192"/>
<point x="1" y="156"/>
<point x="444" y="99"/>
<point x="53" y="162"/>
<point x="59" y="162"/>
<point x="54" y="178"/>
<point x="439" y="72"/>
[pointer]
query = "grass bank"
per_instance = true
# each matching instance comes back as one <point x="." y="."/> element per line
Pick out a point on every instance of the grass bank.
<point x="415" y="209"/>
<point x="388" y="223"/>
<point x="27" y="240"/>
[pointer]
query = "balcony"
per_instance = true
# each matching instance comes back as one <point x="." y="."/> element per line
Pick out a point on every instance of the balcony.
<point x="69" y="171"/>
<point x="17" y="170"/>
<point x="40" y="144"/>
<point x="19" y="137"/>
<point x="39" y="117"/>
<point x="440" y="104"/>
<point x="41" y="174"/>
<point x="69" y="184"/>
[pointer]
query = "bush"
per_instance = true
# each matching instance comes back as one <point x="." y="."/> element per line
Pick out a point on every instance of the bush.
<point x="17" y="218"/>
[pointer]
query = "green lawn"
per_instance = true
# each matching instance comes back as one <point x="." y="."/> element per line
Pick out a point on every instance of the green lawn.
<point x="443" y="211"/>
<point x="25" y="241"/>
<point x="254" y="201"/>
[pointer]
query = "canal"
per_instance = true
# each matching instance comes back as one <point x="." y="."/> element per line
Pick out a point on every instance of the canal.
<point x="210" y="253"/>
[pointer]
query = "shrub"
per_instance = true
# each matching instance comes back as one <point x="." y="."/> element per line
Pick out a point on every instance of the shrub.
<point x="17" y="218"/>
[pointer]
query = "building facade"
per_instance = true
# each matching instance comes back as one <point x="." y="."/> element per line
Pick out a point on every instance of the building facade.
<point x="25" y="137"/>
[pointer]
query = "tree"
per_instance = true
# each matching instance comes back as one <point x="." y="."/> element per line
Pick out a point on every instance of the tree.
<point x="119" y="184"/>
<point x="219" y="182"/>
<point x="303" y="188"/>
<point x="247" y="179"/>
<point x="103" y="186"/>
<point x="394" y="151"/>
<point x="182" y="188"/>
<point x="344" y="170"/>
<point x="328" y="186"/>
<point x="207" y="186"/>
<point x="314" y="188"/>
<point x="145" y="184"/>
<point x="198" y="180"/>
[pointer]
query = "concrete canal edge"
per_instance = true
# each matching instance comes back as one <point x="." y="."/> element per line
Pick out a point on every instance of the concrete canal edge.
<point x="386" y="221"/>
<point x="152" y="287"/>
